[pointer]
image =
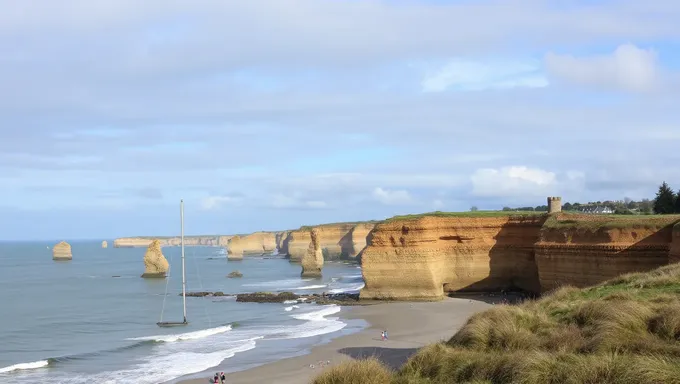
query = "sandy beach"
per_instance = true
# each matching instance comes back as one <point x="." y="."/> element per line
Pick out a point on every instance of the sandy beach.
<point x="410" y="326"/>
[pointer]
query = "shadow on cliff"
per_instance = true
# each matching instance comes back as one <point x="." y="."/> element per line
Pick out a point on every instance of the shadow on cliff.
<point x="391" y="357"/>
<point x="512" y="262"/>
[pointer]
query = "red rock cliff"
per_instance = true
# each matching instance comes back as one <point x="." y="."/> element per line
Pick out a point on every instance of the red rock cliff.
<point x="337" y="241"/>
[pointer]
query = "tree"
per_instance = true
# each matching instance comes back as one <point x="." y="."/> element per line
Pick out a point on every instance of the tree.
<point x="474" y="209"/>
<point x="664" y="202"/>
<point x="645" y="206"/>
<point x="567" y="207"/>
<point x="677" y="203"/>
<point x="507" y="209"/>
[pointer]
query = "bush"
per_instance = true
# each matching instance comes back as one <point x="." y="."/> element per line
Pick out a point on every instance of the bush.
<point x="356" y="372"/>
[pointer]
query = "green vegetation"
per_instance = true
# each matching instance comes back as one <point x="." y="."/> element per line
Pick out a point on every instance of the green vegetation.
<point x="626" y="330"/>
<point x="465" y="214"/>
<point x="595" y="222"/>
<point x="309" y="227"/>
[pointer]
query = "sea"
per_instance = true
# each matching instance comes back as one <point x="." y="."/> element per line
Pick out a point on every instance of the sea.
<point x="93" y="319"/>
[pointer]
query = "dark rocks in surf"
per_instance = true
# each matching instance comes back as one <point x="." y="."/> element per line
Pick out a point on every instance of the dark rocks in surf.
<point x="266" y="297"/>
<point x="205" y="293"/>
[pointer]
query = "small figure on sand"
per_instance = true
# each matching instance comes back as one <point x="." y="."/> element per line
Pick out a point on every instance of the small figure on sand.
<point x="223" y="379"/>
<point x="216" y="378"/>
<point x="385" y="333"/>
<point x="382" y="335"/>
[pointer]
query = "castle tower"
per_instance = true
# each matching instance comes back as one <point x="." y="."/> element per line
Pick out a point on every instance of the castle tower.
<point x="554" y="204"/>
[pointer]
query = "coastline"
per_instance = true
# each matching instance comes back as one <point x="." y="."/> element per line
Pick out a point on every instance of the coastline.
<point x="410" y="326"/>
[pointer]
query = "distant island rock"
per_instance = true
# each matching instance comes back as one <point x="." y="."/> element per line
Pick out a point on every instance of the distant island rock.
<point x="105" y="244"/>
<point x="235" y="274"/>
<point x="155" y="264"/>
<point x="62" y="251"/>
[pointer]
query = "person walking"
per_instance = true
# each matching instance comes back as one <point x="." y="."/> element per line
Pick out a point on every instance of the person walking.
<point x="223" y="379"/>
<point x="382" y="335"/>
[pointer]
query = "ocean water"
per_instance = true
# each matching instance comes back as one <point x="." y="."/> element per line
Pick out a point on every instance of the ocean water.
<point x="74" y="322"/>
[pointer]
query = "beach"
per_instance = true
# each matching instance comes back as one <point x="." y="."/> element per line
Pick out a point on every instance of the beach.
<point x="410" y="326"/>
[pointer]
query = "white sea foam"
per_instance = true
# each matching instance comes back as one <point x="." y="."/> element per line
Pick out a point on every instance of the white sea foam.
<point x="290" y="301"/>
<point x="351" y="288"/>
<point x="186" y="336"/>
<point x="288" y="283"/>
<point x="318" y="286"/>
<point x="23" y="366"/>
<point x="288" y="309"/>
<point x="319" y="315"/>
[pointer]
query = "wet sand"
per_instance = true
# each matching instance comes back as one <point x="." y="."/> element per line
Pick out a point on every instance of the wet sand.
<point x="410" y="326"/>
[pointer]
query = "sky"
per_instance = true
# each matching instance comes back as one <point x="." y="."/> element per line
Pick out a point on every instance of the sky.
<point x="272" y="114"/>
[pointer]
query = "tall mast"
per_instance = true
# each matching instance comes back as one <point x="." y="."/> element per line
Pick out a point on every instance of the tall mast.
<point x="184" y="283"/>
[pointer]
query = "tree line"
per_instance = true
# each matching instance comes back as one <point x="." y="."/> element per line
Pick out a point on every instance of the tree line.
<point x="666" y="201"/>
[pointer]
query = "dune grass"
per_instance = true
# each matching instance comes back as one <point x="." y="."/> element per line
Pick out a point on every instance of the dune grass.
<point x="595" y="222"/>
<point x="467" y="214"/>
<point x="625" y="330"/>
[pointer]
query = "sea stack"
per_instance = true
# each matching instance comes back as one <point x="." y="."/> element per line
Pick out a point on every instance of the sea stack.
<point x="62" y="251"/>
<point x="235" y="248"/>
<point x="312" y="261"/>
<point x="155" y="264"/>
<point x="105" y="244"/>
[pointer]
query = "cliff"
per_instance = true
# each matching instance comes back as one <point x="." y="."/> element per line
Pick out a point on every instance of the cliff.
<point x="255" y="243"/>
<point x="62" y="251"/>
<point x="423" y="257"/>
<point x="337" y="241"/>
<point x="174" y="241"/>
<point x="105" y="244"/>
<point x="312" y="261"/>
<point x="155" y="264"/>
<point x="235" y="248"/>
<point x="583" y="250"/>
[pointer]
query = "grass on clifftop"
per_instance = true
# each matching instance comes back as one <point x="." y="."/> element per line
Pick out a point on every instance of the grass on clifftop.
<point x="466" y="214"/>
<point x="624" y="331"/>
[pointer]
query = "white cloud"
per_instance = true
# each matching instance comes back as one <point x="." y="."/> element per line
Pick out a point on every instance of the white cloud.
<point x="392" y="197"/>
<point x="628" y="68"/>
<point x="217" y="202"/>
<point x="513" y="181"/>
<point x="476" y="75"/>
<point x="296" y="201"/>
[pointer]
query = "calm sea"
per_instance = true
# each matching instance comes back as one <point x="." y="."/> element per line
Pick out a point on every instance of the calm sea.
<point x="74" y="322"/>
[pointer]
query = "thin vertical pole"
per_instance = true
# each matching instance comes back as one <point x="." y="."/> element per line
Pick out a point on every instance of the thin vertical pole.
<point x="184" y="282"/>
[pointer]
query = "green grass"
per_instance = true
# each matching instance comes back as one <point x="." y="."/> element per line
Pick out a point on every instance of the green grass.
<point x="596" y="222"/>
<point x="309" y="227"/>
<point x="625" y="330"/>
<point x="467" y="214"/>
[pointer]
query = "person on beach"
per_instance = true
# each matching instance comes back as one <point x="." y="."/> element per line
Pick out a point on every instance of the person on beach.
<point x="385" y="333"/>
<point x="216" y="378"/>
<point x="382" y="335"/>
<point x="223" y="379"/>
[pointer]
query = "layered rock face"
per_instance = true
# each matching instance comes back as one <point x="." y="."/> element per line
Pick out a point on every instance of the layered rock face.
<point x="62" y="251"/>
<point x="423" y="258"/>
<point x="312" y="261"/>
<point x="133" y="242"/>
<point x="155" y="264"/>
<point x="255" y="243"/>
<point x="105" y="244"/>
<point x="282" y="242"/>
<point x="337" y="241"/>
<point x="582" y="257"/>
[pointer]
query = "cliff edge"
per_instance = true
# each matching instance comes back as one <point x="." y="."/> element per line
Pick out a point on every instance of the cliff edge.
<point x="155" y="264"/>
<point x="337" y="241"/>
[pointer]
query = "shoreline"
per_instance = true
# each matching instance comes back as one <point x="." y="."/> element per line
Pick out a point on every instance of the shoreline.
<point x="410" y="326"/>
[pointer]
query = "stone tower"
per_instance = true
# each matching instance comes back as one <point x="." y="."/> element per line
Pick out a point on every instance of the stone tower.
<point x="554" y="204"/>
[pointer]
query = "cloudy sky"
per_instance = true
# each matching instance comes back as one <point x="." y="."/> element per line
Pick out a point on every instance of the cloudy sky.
<point x="272" y="114"/>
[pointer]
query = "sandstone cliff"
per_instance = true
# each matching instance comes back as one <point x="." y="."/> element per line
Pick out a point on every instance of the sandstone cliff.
<point x="235" y="248"/>
<point x="255" y="244"/>
<point x="424" y="257"/>
<point x="62" y="251"/>
<point x="105" y="244"/>
<point x="583" y="250"/>
<point x="155" y="264"/>
<point x="312" y="261"/>
<point x="337" y="241"/>
<point x="133" y="242"/>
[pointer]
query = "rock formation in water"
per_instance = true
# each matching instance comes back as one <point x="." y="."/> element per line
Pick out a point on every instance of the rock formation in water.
<point x="62" y="251"/>
<point x="105" y="244"/>
<point x="235" y="248"/>
<point x="256" y="243"/>
<point x="234" y="274"/>
<point x="155" y="264"/>
<point x="337" y="241"/>
<point x="174" y="241"/>
<point x="312" y="261"/>
<point x="427" y="256"/>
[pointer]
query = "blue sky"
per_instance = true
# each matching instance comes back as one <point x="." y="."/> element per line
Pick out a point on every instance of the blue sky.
<point x="274" y="114"/>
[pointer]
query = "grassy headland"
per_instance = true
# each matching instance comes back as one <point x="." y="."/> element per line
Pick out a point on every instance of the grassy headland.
<point x="625" y="330"/>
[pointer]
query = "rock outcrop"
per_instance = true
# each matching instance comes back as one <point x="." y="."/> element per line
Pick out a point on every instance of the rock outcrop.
<point x="62" y="251"/>
<point x="428" y="256"/>
<point x="312" y="261"/>
<point x="155" y="264"/>
<point x="337" y="241"/>
<point x="235" y="248"/>
<point x="257" y="243"/>
<point x="105" y="244"/>
<point x="175" y="241"/>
